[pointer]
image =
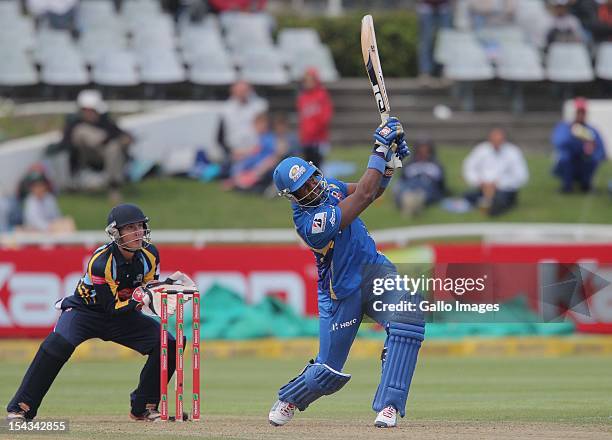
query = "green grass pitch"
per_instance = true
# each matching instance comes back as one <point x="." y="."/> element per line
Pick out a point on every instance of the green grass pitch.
<point x="448" y="394"/>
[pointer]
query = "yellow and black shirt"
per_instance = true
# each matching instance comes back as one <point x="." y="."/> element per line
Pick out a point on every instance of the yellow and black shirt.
<point x="109" y="279"/>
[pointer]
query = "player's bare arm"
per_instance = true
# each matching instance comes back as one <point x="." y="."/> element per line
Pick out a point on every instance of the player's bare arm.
<point x="379" y="172"/>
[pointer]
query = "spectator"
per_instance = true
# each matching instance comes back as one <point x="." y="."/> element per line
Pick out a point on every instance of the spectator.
<point x="95" y="141"/>
<point x="433" y="15"/>
<point x="57" y="14"/>
<point x="421" y="180"/>
<point x="586" y="13"/>
<point x="496" y="170"/>
<point x="254" y="173"/>
<point x="250" y="164"/>
<point x="579" y="149"/>
<point x="236" y="5"/>
<point x="40" y="212"/>
<point x="491" y="13"/>
<point x="237" y="128"/>
<point x="315" y="111"/>
<point x="564" y="27"/>
<point x="602" y="25"/>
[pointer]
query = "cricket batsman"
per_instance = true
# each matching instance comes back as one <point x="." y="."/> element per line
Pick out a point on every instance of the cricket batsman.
<point x="326" y="217"/>
<point x="107" y="303"/>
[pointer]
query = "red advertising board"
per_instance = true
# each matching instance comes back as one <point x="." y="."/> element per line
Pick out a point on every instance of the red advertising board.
<point x="31" y="279"/>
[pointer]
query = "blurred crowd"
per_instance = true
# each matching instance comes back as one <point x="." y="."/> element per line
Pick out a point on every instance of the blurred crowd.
<point x="586" y="21"/>
<point x="496" y="170"/>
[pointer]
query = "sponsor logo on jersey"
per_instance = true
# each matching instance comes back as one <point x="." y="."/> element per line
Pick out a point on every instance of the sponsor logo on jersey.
<point x="318" y="222"/>
<point x="332" y="217"/>
<point x="98" y="280"/>
<point x="296" y="172"/>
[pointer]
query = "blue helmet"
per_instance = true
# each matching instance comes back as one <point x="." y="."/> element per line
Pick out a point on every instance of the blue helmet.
<point x="292" y="173"/>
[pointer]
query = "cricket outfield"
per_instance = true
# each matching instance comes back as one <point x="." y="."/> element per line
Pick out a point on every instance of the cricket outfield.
<point x="459" y="398"/>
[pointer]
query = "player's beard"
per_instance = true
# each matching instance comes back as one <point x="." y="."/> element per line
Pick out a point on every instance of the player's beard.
<point x="317" y="195"/>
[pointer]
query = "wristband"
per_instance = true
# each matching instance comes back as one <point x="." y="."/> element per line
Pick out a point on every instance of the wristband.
<point x="378" y="163"/>
<point x="384" y="182"/>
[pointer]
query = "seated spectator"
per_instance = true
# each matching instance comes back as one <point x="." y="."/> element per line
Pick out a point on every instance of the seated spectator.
<point x="496" y="170"/>
<point x="96" y="142"/>
<point x="433" y="16"/>
<point x="315" y="111"/>
<point x="57" y="14"/>
<point x="579" y="149"/>
<point x="421" y="181"/>
<point x="237" y="128"/>
<point x="254" y="172"/>
<point x="564" y="27"/>
<point x="491" y="13"/>
<point x="40" y="211"/>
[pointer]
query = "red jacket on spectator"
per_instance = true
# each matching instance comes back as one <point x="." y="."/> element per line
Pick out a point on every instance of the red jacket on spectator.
<point x="237" y="5"/>
<point x="315" y="110"/>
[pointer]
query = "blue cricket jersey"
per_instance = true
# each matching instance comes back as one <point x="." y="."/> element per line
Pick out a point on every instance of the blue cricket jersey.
<point x="340" y="254"/>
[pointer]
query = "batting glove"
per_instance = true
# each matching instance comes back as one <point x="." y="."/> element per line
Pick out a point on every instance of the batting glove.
<point x="385" y="136"/>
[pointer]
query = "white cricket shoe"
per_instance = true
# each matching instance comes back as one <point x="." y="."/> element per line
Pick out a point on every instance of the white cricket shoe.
<point x="281" y="413"/>
<point x="387" y="418"/>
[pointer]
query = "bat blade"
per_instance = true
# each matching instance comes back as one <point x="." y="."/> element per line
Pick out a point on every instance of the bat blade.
<point x="369" y="50"/>
<point x="371" y="59"/>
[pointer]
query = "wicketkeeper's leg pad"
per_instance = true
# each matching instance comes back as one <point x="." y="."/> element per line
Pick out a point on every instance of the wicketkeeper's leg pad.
<point x="402" y="348"/>
<point x="49" y="360"/>
<point x="316" y="380"/>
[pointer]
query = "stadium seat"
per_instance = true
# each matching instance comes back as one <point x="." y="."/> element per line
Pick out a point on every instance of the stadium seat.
<point x="92" y="45"/>
<point x="603" y="65"/>
<point x="290" y="38"/>
<point x="94" y="13"/>
<point x="116" y="69"/>
<point x="262" y="67"/>
<point x="533" y="17"/>
<point x="50" y="42"/>
<point x="519" y="62"/>
<point x="468" y="63"/>
<point x="63" y="67"/>
<point x="160" y="66"/>
<point x="10" y="9"/>
<point x="16" y="68"/>
<point x="569" y="63"/>
<point x="501" y="34"/>
<point x="320" y="58"/>
<point x="194" y="41"/>
<point x="19" y="31"/>
<point x="447" y="42"/>
<point x="133" y="8"/>
<point x="231" y="21"/>
<point x="212" y="68"/>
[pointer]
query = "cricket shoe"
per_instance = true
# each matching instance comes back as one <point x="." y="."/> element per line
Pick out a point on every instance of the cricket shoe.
<point x="20" y="415"/>
<point x="151" y="414"/>
<point x="281" y="413"/>
<point x="387" y="418"/>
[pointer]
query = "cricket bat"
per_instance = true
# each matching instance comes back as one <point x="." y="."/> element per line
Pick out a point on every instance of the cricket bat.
<point x="369" y="50"/>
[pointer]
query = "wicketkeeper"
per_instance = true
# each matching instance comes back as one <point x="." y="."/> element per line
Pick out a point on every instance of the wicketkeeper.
<point x="325" y="213"/>
<point x="119" y="284"/>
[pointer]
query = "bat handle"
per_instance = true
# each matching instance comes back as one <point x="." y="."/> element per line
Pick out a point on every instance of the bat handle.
<point x="397" y="163"/>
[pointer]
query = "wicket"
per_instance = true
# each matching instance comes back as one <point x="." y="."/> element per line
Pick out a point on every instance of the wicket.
<point x="180" y="351"/>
